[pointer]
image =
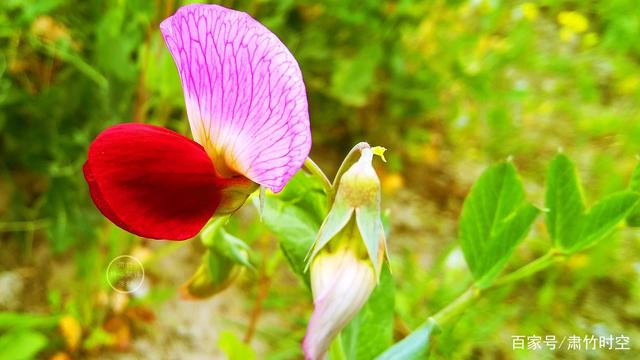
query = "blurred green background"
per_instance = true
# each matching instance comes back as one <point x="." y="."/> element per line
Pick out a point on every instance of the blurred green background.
<point x="447" y="86"/>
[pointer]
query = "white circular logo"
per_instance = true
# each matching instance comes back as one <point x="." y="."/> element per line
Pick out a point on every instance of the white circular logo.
<point x="125" y="274"/>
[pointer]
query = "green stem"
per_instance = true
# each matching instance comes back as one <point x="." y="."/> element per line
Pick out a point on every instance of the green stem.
<point x="451" y="311"/>
<point x="529" y="269"/>
<point x="315" y="170"/>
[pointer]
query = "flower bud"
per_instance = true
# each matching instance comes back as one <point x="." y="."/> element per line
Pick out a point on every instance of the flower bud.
<point x="346" y="258"/>
<point x="358" y="194"/>
<point x="223" y="262"/>
<point x="341" y="282"/>
<point x="360" y="186"/>
<point x="215" y="274"/>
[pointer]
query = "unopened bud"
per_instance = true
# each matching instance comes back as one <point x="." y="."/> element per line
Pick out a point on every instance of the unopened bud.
<point x="360" y="186"/>
<point x="358" y="194"/>
<point x="341" y="283"/>
<point x="221" y="265"/>
<point x="214" y="275"/>
<point x="346" y="258"/>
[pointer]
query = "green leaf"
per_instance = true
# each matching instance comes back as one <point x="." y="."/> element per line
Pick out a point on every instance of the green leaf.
<point x="512" y="232"/>
<point x="564" y="201"/>
<point x="234" y="348"/>
<point x="115" y="43"/>
<point x="219" y="268"/>
<point x="371" y="331"/>
<point x="602" y="219"/>
<point x="12" y="320"/>
<point x="306" y="192"/>
<point x="224" y="244"/>
<point x="21" y="344"/>
<point x="294" y="228"/>
<point x="635" y="179"/>
<point x="294" y="216"/>
<point x="67" y="54"/>
<point x="353" y="79"/>
<point x="633" y="219"/>
<point x="494" y="220"/>
<point x="234" y="249"/>
<point x="414" y="346"/>
<point x="98" y="338"/>
<point x="570" y="226"/>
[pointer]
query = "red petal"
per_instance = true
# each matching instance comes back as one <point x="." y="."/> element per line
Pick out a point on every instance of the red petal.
<point x="151" y="181"/>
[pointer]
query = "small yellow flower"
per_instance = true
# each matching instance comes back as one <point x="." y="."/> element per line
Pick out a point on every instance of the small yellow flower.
<point x="573" y="21"/>
<point x="392" y="182"/>
<point x="71" y="331"/>
<point x="530" y="11"/>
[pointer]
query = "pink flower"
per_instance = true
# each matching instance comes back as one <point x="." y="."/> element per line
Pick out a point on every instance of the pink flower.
<point x="247" y="108"/>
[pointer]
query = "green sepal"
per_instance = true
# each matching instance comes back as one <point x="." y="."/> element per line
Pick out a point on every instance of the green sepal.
<point x="370" y="227"/>
<point x="351" y="158"/>
<point x="336" y="220"/>
<point x="214" y="274"/>
<point x="215" y="238"/>
<point x="234" y="249"/>
<point x="221" y="264"/>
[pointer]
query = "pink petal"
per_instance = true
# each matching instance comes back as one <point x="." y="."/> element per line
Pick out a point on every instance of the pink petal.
<point x="341" y="284"/>
<point x="244" y="92"/>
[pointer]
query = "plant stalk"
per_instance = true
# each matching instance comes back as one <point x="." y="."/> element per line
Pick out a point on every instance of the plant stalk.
<point x="451" y="311"/>
<point x="530" y="268"/>
<point x="457" y="307"/>
<point x="315" y="170"/>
